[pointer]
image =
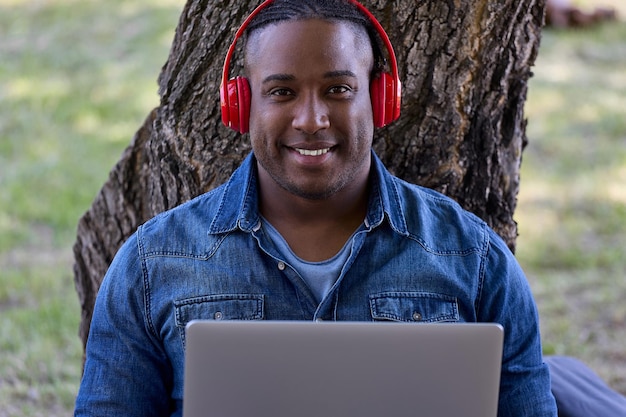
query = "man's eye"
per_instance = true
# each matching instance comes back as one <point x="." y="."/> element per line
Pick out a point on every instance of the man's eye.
<point x="339" y="89"/>
<point x="280" y="92"/>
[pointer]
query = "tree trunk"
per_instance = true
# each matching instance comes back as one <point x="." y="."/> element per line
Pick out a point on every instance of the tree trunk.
<point x="464" y="65"/>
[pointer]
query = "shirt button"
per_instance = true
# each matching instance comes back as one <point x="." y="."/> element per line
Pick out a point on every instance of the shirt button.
<point x="281" y="265"/>
<point x="218" y="315"/>
<point x="417" y="316"/>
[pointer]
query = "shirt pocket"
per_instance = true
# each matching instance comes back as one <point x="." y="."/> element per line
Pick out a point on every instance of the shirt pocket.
<point x="217" y="307"/>
<point x="420" y="307"/>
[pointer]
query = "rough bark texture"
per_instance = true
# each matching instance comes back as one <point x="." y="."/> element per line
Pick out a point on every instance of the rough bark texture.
<point x="464" y="64"/>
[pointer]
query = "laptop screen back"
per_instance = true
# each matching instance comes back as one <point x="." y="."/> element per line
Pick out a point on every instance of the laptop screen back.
<point x="341" y="369"/>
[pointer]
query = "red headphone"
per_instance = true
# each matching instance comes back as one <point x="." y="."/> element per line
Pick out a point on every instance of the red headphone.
<point x="385" y="89"/>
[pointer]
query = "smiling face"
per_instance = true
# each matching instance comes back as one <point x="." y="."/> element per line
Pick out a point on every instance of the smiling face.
<point x="311" y="123"/>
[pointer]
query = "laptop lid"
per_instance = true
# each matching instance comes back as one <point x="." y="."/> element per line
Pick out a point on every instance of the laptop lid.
<point x="341" y="369"/>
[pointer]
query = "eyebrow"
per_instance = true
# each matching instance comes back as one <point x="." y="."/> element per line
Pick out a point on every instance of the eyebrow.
<point x="278" y="77"/>
<point x="338" y="74"/>
<point x="289" y="77"/>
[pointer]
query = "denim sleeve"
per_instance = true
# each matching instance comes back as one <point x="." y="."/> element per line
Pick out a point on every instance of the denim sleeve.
<point x="126" y="370"/>
<point x="506" y="299"/>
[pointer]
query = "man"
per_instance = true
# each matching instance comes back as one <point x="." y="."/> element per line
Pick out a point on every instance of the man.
<point x="310" y="227"/>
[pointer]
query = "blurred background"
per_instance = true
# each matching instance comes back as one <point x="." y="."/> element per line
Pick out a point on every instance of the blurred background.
<point x="78" y="77"/>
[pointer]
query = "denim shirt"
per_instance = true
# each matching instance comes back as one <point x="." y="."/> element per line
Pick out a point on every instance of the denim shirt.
<point x="419" y="259"/>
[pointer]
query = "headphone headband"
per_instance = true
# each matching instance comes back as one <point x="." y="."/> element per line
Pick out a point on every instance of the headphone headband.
<point x="235" y="93"/>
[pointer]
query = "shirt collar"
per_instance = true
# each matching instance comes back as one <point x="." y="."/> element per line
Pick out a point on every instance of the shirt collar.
<point x="239" y="206"/>
<point x="385" y="201"/>
<point x="239" y="203"/>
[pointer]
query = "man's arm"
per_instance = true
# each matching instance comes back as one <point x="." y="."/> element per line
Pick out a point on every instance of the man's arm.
<point x="126" y="371"/>
<point x="506" y="298"/>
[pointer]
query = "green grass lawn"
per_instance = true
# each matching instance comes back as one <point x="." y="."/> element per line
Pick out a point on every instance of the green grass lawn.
<point x="572" y="204"/>
<point x="77" y="79"/>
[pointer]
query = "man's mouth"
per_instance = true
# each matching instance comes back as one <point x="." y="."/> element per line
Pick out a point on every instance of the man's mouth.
<point x="312" y="152"/>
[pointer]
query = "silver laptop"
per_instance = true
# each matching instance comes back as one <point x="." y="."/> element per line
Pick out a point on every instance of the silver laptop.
<point x="341" y="369"/>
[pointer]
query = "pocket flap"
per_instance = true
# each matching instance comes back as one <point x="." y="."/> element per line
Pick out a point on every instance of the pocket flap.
<point x="219" y="307"/>
<point x="414" y="307"/>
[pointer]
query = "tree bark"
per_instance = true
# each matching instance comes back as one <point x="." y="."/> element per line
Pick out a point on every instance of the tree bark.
<point x="464" y="65"/>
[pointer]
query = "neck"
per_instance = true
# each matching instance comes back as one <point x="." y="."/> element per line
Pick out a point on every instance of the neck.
<point x="344" y="205"/>
<point x="314" y="229"/>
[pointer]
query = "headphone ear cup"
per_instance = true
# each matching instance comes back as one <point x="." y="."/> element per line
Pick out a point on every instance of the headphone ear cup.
<point x="377" y="95"/>
<point x="230" y="103"/>
<point x="243" y="95"/>
<point x="384" y="94"/>
<point x="235" y="102"/>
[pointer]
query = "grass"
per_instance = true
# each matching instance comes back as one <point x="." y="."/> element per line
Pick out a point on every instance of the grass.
<point x="77" y="79"/>
<point x="572" y="204"/>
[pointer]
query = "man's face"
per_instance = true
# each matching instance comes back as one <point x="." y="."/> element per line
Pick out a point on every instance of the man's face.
<point x="311" y="123"/>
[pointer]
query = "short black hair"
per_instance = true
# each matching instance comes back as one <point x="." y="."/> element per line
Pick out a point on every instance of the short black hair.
<point x="332" y="10"/>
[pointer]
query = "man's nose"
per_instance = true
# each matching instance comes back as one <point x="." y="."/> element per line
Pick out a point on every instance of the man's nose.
<point x="311" y="114"/>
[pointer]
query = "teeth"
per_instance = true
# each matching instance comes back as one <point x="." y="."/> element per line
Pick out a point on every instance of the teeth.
<point x="316" y="152"/>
